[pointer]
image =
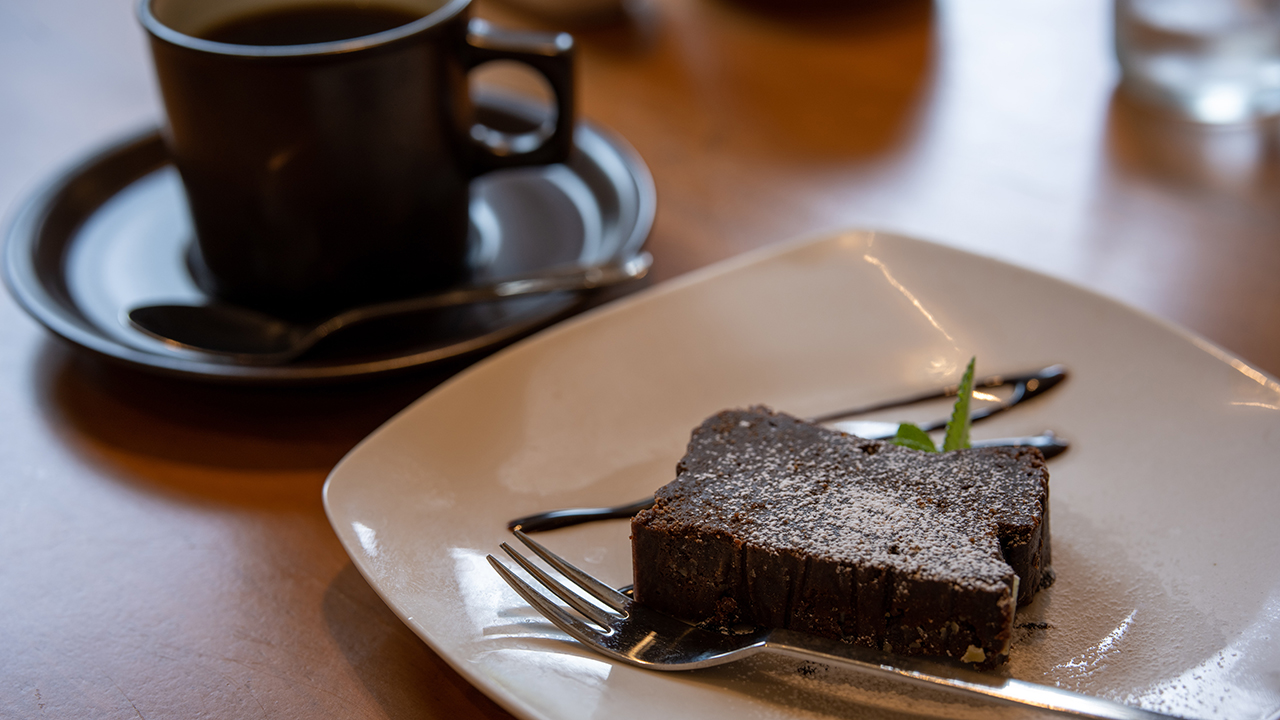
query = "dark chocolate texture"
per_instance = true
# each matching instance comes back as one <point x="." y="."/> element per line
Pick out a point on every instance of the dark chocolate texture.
<point x="775" y="521"/>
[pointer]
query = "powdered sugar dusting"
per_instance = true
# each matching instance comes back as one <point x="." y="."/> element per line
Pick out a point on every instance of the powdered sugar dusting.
<point x="855" y="501"/>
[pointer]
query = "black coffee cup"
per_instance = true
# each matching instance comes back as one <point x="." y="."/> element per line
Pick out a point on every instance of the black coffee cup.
<point x="326" y="146"/>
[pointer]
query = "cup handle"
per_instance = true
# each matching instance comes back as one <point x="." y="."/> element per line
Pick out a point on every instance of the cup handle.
<point x="550" y="54"/>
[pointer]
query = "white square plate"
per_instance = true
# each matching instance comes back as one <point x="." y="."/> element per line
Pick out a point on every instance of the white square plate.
<point x="1165" y="537"/>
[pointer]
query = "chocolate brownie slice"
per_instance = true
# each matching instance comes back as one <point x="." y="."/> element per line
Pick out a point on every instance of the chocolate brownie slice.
<point x="775" y="521"/>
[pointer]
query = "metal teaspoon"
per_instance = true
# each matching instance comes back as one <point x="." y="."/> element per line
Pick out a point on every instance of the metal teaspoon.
<point x="253" y="338"/>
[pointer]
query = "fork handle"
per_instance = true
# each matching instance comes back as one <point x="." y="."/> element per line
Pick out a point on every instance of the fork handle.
<point x="934" y="674"/>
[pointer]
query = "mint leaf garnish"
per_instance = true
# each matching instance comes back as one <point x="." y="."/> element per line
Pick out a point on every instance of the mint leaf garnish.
<point x="957" y="437"/>
<point x="911" y="436"/>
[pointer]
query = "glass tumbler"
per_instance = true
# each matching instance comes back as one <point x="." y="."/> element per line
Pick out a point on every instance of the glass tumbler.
<point x="1212" y="61"/>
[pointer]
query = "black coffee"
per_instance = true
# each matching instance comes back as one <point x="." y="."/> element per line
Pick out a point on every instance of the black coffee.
<point x="307" y="24"/>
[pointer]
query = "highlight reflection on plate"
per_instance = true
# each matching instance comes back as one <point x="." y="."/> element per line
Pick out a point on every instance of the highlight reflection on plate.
<point x="1163" y="512"/>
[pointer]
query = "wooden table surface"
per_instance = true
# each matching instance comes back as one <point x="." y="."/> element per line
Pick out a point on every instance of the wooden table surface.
<point x="163" y="550"/>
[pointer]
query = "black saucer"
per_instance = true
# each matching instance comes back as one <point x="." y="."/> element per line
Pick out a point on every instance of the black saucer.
<point x="112" y="234"/>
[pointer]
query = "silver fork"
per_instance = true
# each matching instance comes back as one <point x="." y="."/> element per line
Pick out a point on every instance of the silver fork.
<point x="631" y="633"/>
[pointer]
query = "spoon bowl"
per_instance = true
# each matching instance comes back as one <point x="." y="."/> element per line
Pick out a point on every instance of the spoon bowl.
<point x="249" y="337"/>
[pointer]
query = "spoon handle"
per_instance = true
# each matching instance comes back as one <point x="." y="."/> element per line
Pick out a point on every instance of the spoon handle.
<point x="586" y="278"/>
<point x="247" y="337"/>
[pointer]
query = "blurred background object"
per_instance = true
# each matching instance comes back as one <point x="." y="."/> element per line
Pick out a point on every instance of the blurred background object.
<point x="1213" y="61"/>
<point x="571" y="13"/>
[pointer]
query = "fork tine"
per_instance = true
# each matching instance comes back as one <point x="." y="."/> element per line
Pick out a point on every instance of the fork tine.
<point x="597" y="589"/>
<point x="576" y="629"/>
<point x="593" y="613"/>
